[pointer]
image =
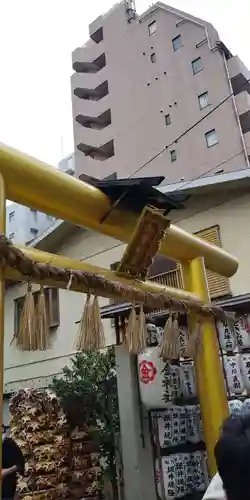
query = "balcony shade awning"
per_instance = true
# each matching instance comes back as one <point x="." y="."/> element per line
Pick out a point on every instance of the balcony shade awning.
<point x="239" y="304"/>
<point x="134" y="194"/>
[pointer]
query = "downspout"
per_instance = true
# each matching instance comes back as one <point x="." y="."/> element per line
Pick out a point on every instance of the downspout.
<point x="236" y="110"/>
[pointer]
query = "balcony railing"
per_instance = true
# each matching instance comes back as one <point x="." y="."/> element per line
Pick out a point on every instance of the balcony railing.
<point x="171" y="278"/>
<point x="218" y="285"/>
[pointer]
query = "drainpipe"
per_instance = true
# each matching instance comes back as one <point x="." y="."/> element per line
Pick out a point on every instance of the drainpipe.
<point x="236" y="110"/>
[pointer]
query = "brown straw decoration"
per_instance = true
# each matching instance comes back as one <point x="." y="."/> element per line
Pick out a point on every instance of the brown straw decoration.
<point x="194" y="338"/>
<point x="169" y="347"/>
<point x="26" y="339"/>
<point x="42" y="328"/>
<point x="142" y="330"/>
<point x="84" y="336"/>
<point x="98" y="331"/>
<point x="131" y="331"/>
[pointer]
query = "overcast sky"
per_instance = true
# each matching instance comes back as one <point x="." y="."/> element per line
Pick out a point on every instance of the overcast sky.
<point x="36" y="41"/>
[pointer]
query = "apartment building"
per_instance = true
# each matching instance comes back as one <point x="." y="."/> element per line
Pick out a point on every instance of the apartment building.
<point x="23" y="224"/>
<point x="140" y="82"/>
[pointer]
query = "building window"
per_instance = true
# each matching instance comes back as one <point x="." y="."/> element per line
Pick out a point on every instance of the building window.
<point x="34" y="212"/>
<point x="218" y="286"/>
<point x="211" y="138"/>
<point x="167" y="119"/>
<point x="33" y="232"/>
<point x="173" y="155"/>
<point x="197" y="65"/>
<point x="52" y="308"/>
<point x="11" y="216"/>
<point x="153" y="57"/>
<point x="176" y="42"/>
<point x="11" y="236"/>
<point x="152" y="28"/>
<point x="203" y="100"/>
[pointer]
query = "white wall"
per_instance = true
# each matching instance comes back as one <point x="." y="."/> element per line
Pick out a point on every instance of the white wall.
<point x="233" y="219"/>
<point x="22" y="367"/>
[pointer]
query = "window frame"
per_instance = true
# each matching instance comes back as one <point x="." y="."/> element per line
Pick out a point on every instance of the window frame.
<point x="11" y="215"/>
<point x="53" y="300"/>
<point x="167" y="119"/>
<point x="173" y="155"/>
<point x="34" y="212"/>
<point x="34" y="232"/>
<point x="207" y="135"/>
<point x="178" y="37"/>
<point x="198" y="70"/>
<point x="153" y="57"/>
<point x="207" y="102"/>
<point x="18" y="306"/>
<point x="153" y="23"/>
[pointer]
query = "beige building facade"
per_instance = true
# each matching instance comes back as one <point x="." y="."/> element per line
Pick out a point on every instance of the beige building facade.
<point x="224" y="206"/>
<point x="141" y="82"/>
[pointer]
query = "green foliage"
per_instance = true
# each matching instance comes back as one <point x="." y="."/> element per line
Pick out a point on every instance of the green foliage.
<point x="88" y="395"/>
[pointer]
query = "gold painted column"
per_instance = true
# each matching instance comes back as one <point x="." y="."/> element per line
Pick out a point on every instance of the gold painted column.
<point x="2" y="291"/>
<point x="209" y="373"/>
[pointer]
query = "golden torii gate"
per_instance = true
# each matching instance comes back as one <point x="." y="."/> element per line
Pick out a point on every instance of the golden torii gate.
<point x="30" y="182"/>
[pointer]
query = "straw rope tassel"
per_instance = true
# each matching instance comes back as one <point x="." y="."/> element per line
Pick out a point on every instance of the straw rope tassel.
<point x="84" y="334"/>
<point x="176" y="335"/>
<point x="130" y="332"/>
<point x="194" y="338"/>
<point x="26" y="339"/>
<point x="141" y="331"/>
<point x="98" y="337"/>
<point x="42" y="329"/>
<point x="169" y="347"/>
<point x="165" y="345"/>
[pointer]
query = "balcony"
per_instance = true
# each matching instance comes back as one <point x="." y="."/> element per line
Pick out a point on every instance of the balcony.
<point x="171" y="278"/>
<point x="90" y="66"/>
<point x="239" y="75"/>
<point x="245" y="122"/>
<point x="95" y="122"/>
<point x="93" y="136"/>
<point x="95" y="29"/>
<point x="94" y="167"/>
<point x="90" y="85"/>
<point x="218" y="285"/>
<point x="90" y="52"/>
<point x="89" y="107"/>
<point x="243" y="102"/>
<point x="100" y="153"/>
<point x="247" y="142"/>
<point x="243" y="107"/>
<point x="97" y="36"/>
<point x="96" y="94"/>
